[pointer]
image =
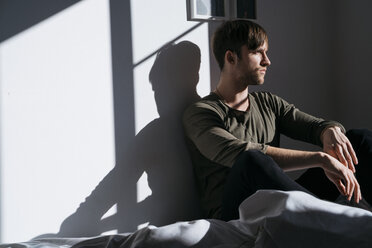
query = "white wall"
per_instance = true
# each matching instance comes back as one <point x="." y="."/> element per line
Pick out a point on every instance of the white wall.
<point x="57" y="135"/>
<point x="64" y="120"/>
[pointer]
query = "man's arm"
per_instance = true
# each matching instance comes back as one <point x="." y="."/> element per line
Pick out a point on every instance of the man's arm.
<point x="336" y="172"/>
<point x="299" y="125"/>
<point x="337" y="149"/>
<point x="204" y="127"/>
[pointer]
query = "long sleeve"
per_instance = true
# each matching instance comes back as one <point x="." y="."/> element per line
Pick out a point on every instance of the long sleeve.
<point x="299" y="125"/>
<point x="204" y="126"/>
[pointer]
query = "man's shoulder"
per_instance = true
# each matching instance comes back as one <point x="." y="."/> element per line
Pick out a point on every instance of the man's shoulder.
<point x="265" y="96"/>
<point x="209" y="104"/>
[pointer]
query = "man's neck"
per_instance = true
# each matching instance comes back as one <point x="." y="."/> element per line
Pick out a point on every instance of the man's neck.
<point x="233" y="94"/>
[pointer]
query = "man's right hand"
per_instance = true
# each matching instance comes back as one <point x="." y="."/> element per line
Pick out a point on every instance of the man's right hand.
<point x="342" y="176"/>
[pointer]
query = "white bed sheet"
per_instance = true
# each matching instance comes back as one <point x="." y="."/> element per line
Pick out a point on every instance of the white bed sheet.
<point x="268" y="219"/>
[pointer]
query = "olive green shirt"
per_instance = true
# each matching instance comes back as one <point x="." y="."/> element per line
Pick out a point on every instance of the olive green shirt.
<point x="216" y="134"/>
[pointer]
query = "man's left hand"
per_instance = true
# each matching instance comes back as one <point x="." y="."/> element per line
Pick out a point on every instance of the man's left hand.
<point x="336" y="144"/>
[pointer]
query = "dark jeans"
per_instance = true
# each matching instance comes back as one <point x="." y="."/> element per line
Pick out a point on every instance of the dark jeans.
<point x="254" y="170"/>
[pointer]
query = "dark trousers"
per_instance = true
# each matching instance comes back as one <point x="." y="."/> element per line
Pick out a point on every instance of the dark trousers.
<point x="254" y="170"/>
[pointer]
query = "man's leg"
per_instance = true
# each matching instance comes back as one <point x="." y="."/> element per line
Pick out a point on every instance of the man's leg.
<point x="315" y="180"/>
<point x="361" y="139"/>
<point x="252" y="171"/>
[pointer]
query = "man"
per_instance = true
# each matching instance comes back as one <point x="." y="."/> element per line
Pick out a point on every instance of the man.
<point x="233" y="135"/>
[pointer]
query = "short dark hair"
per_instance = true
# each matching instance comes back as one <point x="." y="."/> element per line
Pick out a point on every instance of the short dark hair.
<point x="232" y="35"/>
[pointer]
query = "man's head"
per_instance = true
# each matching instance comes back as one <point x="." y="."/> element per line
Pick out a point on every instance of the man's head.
<point x="232" y="35"/>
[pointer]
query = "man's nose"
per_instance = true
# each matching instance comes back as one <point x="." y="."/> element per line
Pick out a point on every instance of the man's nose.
<point x="265" y="60"/>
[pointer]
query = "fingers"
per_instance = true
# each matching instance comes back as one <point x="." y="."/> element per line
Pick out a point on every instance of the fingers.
<point x="338" y="145"/>
<point x="352" y="152"/>
<point x="357" y="192"/>
<point x="352" y="187"/>
<point x="345" y="154"/>
<point x="346" y="183"/>
<point x="341" y="187"/>
<point x="350" y="191"/>
<point x="340" y="155"/>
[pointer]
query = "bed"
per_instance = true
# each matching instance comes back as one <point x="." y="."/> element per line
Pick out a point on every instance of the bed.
<point x="268" y="219"/>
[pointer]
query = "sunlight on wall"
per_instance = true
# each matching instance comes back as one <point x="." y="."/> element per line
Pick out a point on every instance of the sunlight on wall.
<point x="143" y="189"/>
<point x="111" y="212"/>
<point x="161" y="27"/>
<point x="57" y="133"/>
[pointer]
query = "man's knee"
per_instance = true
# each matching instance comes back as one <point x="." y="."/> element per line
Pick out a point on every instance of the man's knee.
<point x="253" y="160"/>
<point x="359" y="137"/>
<point x="358" y="133"/>
<point x="250" y="157"/>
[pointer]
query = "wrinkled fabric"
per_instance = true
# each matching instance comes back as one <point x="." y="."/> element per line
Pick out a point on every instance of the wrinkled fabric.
<point x="297" y="219"/>
<point x="268" y="219"/>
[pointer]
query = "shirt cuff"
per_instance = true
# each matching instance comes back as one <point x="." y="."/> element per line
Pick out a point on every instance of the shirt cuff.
<point x="257" y="146"/>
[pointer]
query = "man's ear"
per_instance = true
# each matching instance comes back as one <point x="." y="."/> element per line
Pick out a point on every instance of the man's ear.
<point x="230" y="57"/>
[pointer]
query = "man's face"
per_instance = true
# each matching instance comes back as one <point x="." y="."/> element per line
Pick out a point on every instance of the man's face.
<point x="251" y="67"/>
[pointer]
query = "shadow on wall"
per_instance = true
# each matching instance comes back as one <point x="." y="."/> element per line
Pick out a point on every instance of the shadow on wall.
<point x="18" y="15"/>
<point x="158" y="150"/>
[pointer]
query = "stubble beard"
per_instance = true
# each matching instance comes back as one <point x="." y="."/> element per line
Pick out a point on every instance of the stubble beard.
<point x="252" y="78"/>
<point x="256" y="80"/>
